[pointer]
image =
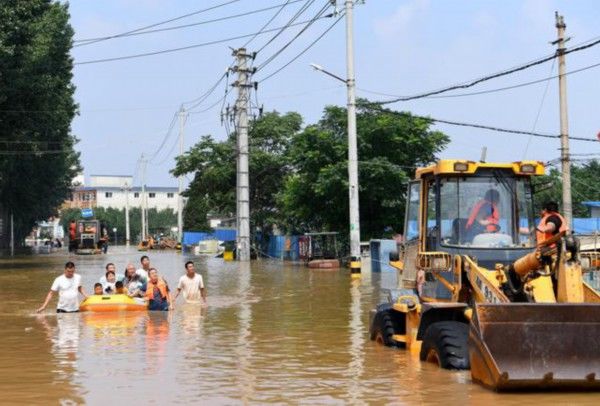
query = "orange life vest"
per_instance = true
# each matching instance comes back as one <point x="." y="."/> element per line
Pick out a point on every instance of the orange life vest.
<point x="493" y="218"/>
<point x="543" y="236"/>
<point x="160" y="284"/>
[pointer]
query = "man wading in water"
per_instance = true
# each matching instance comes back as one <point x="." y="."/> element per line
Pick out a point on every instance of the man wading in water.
<point x="68" y="287"/>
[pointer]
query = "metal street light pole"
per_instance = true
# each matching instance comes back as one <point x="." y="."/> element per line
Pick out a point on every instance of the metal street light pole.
<point x="352" y="142"/>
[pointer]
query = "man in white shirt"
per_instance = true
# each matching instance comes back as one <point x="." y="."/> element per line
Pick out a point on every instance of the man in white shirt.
<point x="143" y="271"/>
<point x="191" y="284"/>
<point x="68" y="286"/>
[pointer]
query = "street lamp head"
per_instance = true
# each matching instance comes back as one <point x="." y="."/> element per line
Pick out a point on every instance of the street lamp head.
<point x="317" y="67"/>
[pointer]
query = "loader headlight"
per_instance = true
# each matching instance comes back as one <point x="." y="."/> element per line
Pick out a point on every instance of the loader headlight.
<point x="528" y="168"/>
<point x="461" y="167"/>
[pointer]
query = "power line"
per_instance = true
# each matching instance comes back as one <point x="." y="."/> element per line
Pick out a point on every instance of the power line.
<point x="197" y="101"/>
<point x="488" y="127"/>
<point x="472" y="83"/>
<point x="288" y="24"/>
<point x="302" y="31"/>
<point x="303" y="51"/>
<point x="166" y="137"/>
<point x="171" y="50"/>
<point x="288" y="2"/>
<point x="178" y="27"/>
<point x="83" y="42"/>
<point x="537" y="116"/>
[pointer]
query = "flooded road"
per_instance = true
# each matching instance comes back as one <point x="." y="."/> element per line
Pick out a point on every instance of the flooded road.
<point x="271" y="333"/>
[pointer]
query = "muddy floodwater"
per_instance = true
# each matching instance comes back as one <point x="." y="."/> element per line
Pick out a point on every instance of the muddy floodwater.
<point x="271" y="333"/>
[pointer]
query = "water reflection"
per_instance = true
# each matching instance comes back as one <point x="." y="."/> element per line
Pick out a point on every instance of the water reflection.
<point x="244" y="351"/>
<point x="356" y="344"/>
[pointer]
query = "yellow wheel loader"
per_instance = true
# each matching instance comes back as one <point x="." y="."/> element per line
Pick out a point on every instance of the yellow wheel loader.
<point x="476" y="291"/>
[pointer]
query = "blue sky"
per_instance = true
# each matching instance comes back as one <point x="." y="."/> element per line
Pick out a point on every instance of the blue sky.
<point x="402" y="47"/>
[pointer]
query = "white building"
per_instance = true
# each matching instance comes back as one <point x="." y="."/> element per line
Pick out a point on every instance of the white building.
<point x="159" y="198"/>
<point x="114" y="191"/>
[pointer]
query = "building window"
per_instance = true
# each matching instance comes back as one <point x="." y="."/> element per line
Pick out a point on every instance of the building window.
<point x="108" y="194"/>
<point x="136" y="194"/>
<point x="170" y="195"/>
<point x="151" y="195"/>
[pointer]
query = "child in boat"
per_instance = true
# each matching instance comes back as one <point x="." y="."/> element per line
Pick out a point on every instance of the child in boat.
<point x="120" y="289"/>
<point x="98" y="289"/>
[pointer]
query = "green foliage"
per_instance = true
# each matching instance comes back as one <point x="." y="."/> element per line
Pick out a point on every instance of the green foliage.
<point x="299" y="178"/>
<point x="583" y="187"/>
<point x="212" y="191"/>
<point x="36" y="109"/>
<point x="159" y="221"/>
<point x="390" y="146"/>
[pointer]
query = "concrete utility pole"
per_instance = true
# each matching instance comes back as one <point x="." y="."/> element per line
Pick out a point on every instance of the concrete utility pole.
<point x="127" y="188"/>
<point x="567" y="206"/>
<point x="182" y="116"/>
<point x="352" y="145"/>
<point x="243" y="84"/>
<point x="143" y="197"/>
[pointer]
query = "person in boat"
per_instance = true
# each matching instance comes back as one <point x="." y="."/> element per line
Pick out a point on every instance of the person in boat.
<point x="68" y="286"/>
<point x="110" y="281"/>
<point x="157" y="292"/>
<point x="98" y="290"/>
<point x="120" y="288"/>
<point x="134" y="284"/>
<point x="144" y="270"/>
<point x="191" y="284"/>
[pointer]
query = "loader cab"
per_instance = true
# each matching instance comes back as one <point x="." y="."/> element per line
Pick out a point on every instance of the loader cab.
<point x="482" y="210"/>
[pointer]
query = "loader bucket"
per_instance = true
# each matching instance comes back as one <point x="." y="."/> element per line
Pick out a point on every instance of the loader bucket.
<point x="536" y="346"/>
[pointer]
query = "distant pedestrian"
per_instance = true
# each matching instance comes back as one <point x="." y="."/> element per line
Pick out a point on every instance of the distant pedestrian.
<point x="68" y="286"/>
<point x="143" y="271"/>
<point x="191" y="284"/>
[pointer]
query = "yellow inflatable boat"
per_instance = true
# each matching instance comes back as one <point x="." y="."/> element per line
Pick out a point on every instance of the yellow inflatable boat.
<point x="112" y="303"/>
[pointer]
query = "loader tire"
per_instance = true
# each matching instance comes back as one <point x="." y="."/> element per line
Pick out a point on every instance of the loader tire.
<point x="383" y="328"/>
<point x="445" y="343"/>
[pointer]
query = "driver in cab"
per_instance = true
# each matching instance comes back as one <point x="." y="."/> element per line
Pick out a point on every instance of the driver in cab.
<point x="485" y="215"/>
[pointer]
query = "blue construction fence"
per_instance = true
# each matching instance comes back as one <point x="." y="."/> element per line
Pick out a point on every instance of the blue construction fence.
<point x="586" y="225"/>
<point x="285" y="247"/>
<point x="221" y="234"/>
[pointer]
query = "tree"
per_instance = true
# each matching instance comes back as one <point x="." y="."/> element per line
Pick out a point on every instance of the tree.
<point x="390" y="146"/>
<point x="36" y="109"/>
<point x="583" y="187"/>
<point x="213" y="163"/>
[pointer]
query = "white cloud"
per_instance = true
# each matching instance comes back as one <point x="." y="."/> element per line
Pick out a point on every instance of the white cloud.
<point x="399" y="21"/>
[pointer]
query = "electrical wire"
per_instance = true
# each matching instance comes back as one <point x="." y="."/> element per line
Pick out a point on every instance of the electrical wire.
<point x="171" y="50"/>
<point x="472" y="83"/>
<point x="197" y="101"/>
<point x="302" y="31"/>
<point x="487" y="127"/>
<point x="177" y="27"/>
<point x="288" y="24"/>
<point x="537" y="116"/>
<point x="82" y="42"/>
<point x="281" y="7"/>
<point x="302" y="52"/>
<point x="166" y="137"/>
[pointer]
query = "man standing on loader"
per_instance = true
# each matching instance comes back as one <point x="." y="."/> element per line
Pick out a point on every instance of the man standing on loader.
<point x="552" y="222"/>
